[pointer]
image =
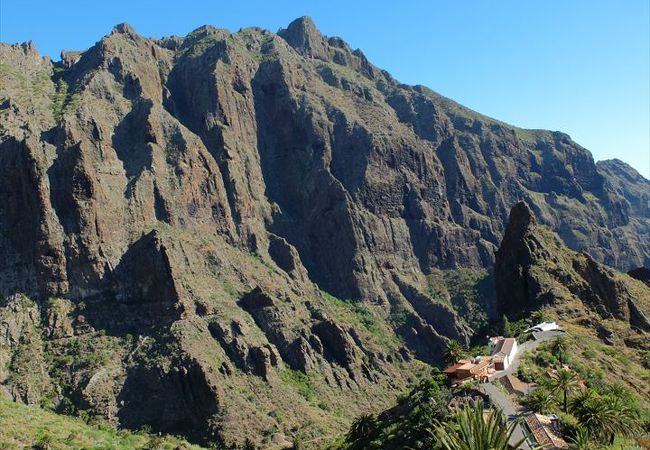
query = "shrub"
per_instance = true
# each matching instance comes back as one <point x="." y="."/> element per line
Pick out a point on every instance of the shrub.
<point x="559" y="348"/>
<point x="525" y="373"/>
<point x="589" y="353"/>
<point x="569" y="424"/>
<point x="44" y="442"/>
<point x="300" y="381"/>
<point x="545" y="358"/>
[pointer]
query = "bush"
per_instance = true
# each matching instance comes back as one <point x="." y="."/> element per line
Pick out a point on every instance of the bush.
<point x="589" y="353"/>
<point x="524" y="373"/>
<point x="528" y="336"/>
<point x="568" y="424"/>
<point x="545" y="358"/>
<point x="299" y="381"/>
<point x="44" y="442"/>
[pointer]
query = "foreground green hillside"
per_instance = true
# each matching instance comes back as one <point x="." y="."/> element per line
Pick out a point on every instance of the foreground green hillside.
<point x="24" y="426"/>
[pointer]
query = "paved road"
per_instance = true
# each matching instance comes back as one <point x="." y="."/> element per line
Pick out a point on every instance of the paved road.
<point x="511" y="411"/>
<point x="501" y="400"/>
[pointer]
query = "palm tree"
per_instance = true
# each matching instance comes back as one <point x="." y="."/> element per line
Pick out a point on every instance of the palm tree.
<point x="626" y="421"/>
<point x="604" y="416"/>
<point x="541" y="315"/>
<point x="560" y="348"/>
<point x="475" y="431"/>
<point x="362" y="427"/>
<point x="565" y="381"/>
<point x="453" y="352"/>
<point x="583" y="441"/>
<point x="540" y="400"/>
<point x="619" y="391"/>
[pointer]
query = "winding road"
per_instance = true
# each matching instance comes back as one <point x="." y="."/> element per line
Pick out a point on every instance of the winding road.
<point x="512" y="410"/>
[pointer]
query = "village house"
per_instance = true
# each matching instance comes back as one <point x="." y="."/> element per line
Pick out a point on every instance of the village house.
<point x="515" y="386"/>
<point x="479" y="368"/>
<point x="545" y="431"/>
<point x="544" y="326"/>
<point x="503" y="351"/>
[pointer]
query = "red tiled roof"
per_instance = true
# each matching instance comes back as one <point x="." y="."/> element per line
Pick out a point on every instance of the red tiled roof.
<point x="546" y="438"/>
<point x="515" y="386"/>
<point x="454" y="368"/>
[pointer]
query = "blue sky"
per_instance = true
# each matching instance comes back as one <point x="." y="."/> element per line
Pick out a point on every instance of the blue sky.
<point x="579" y="66"/>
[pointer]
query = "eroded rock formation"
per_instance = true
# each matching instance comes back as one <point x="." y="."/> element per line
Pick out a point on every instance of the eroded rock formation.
<point x="534" y="268"/>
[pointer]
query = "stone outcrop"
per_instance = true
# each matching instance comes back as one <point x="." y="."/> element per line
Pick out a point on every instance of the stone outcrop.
<point x="534" y="268"/>
<point x="641" y="274"/>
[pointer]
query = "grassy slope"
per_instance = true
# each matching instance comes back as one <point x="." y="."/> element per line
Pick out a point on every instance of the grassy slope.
<point x="24" y="426"/>
<point x="596" y="362"/>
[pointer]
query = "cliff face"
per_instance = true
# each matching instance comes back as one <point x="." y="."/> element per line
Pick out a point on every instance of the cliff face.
<point x="190" y="193"/>
<point x="534" y="268"/>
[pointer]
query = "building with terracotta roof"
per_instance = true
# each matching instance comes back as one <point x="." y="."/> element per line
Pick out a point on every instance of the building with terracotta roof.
<point x="545" y="431"/>
<point x="517" y="387"/>
<point x="479" y="369"/>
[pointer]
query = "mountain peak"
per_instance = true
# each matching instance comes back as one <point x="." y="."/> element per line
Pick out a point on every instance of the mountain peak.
<point x="521" y="219"/>
<point x="534" y="267"/>
<point x="304" y="24"/>
<point x="304" y="37"/>
<point x="123" y="28"/>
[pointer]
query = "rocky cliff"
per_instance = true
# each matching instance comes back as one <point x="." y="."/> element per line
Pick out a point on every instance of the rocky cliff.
<point x="534" y="269"/>
<point x="191" y="211"/>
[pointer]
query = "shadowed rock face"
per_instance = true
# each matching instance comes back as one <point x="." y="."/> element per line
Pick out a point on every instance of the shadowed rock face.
<point x="641" y="274"/>
<point x="174" y="187"/>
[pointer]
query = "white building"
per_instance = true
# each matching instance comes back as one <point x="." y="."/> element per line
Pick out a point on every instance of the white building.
<point x="544" y="326"/>
<point x="504" y="352"/>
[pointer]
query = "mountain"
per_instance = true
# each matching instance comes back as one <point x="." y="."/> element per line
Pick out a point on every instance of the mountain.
<point x="260" y="228"/>
<point x="535" y="269"/>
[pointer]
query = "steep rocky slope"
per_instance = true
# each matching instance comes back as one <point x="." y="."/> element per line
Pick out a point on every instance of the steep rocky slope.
<point x="180" y="216"/>
<point x="535" y="269"/>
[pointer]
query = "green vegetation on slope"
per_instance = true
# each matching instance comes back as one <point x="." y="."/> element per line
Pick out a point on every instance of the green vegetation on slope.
<point x="578" y="380"/>
<point x="409" y="424"/>
<point x="63" y="99"/>
<point x="356" y="313"/>
<point x="472" y="293"/>
<point x="24" y="426"/>
<point x="469" y="292"/>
